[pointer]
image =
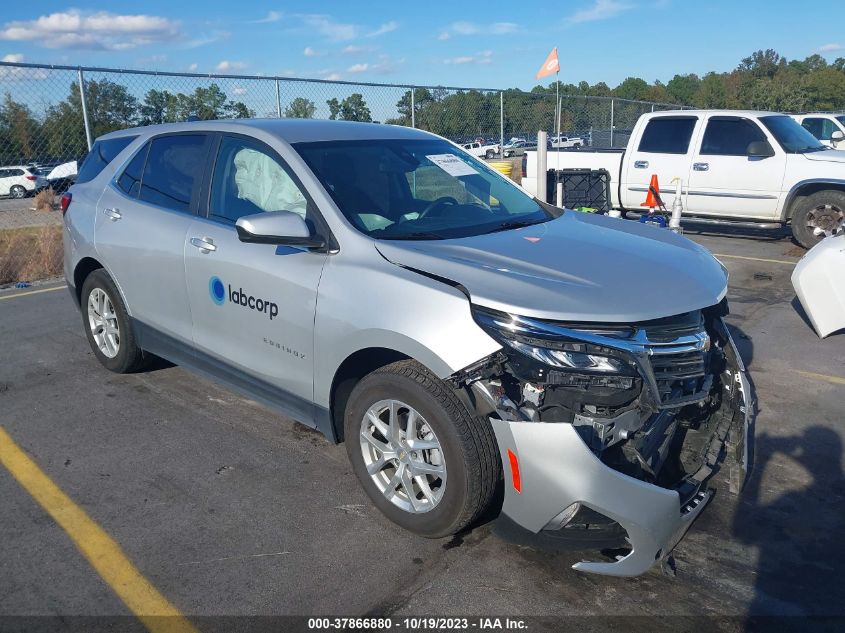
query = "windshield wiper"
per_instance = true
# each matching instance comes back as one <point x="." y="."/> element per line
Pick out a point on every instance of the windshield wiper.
<point x="514" y="224"/>
<point x="418" y="235"/>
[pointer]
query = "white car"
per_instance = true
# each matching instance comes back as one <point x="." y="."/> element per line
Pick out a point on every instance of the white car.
<point x="829" y="128"/>
<point x="759" y="168"/>
<point x="567" y="141"/>
<point x="480" y="150"/>
<point x="820" y="286"/>
<point x="19" y="181"/>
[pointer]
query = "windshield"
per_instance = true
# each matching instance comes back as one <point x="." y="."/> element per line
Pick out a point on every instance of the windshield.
<point x="841" y="119"/>
<point x="417" y="189"/>
<point x="793" y="138"/>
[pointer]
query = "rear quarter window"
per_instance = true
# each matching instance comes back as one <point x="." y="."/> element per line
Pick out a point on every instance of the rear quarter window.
<point x="667" y="135"/>
<point x="101" y="154"/>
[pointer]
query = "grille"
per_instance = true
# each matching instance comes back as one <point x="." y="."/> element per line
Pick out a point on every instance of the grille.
<point x="680" y="376"/>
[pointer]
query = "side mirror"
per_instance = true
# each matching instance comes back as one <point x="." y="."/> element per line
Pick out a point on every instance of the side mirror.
<point x="760" y="149"/>
<point x="837" y="137"/>
<point x="277" y="227"/>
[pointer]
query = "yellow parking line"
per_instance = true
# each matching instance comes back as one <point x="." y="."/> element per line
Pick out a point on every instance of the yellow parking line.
<point x="99" y="548"/>
<point x="836" y="380"/>
<point x="31" y="292"/>
<point x="757" y="259"/>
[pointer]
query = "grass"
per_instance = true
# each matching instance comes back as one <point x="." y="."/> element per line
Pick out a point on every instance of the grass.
<point x="31" y="253"/>
<point x="45" y="200"/>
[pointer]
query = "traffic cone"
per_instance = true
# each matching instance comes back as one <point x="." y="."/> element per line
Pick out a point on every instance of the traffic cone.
<point x="653" y="199"/>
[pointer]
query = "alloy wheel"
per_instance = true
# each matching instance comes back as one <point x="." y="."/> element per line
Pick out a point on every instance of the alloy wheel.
<point x="826" y="220"/>
<point x="102" y="320"/>
<point x="403" y="456"/>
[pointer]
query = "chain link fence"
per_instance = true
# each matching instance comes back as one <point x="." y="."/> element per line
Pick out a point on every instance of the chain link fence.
<point x="51" y="114"/>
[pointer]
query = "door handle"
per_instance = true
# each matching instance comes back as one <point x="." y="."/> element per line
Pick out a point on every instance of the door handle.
<point x="701" y="166"/>
<point x="112" y="214"/>
<point x="640" y="164"/>
<point x="204" y="244"/>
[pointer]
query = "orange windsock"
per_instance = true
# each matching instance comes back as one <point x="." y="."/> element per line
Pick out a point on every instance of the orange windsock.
<point x="652" y="200"/>
<point x="550" y="66"/>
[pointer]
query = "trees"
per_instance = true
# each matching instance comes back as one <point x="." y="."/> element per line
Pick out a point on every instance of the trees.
<point x="352" y="108"/>
<point x="18" y="132"/>
<point x="301" y="108"/>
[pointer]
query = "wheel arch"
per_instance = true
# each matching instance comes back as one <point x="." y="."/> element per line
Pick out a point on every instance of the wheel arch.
<point x="83" y="268"/>
<point x="807" y="188"/>
<point x="353" y="368"/>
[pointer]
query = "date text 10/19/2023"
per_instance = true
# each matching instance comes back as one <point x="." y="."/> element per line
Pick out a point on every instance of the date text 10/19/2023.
<point x="418" y="624"/>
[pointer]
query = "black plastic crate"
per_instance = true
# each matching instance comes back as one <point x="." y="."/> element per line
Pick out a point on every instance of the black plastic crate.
<point x="581" y="188"/>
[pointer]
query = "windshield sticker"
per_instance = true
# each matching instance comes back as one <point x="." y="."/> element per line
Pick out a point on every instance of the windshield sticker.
<point x="451" y="164"/>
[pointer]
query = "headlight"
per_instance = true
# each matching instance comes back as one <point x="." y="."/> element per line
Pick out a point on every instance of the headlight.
<point x="567" y="360"/>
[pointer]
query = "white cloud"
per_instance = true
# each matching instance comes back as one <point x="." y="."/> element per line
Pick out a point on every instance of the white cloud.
<point x="272" y="16"/>
<point x="193" y="67"/>
<point x="239" y="90"/>
<point x="332" y="76"/>
<point x="464" y="28"/>
<point x="326" y="26"/>
<point x="13" y="58"/>
<point x="204" y="40"/>
<point x="358" y="68"/>
<point x="310" y="52"/>
<point x="98" y="31"/>
<point x="20" y="74"/>
<point x="601" y="10"/>
<point x="227" y="65"/>
<point x="353" y="49"/>
<point x="387" y="27"/>
<point x="484" y="57"/>
<point x="829" y="48"/>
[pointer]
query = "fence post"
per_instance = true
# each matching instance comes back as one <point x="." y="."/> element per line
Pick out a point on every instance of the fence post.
<point x="502" y="124"/>
<point x="82" y="100"/>
<point x="278" y="100"/>
<point x="611" y="121"/>
<point x="413" y="109"/>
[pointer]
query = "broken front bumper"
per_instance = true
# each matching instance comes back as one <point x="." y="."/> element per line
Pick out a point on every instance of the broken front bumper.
<point x="556" y="469"/>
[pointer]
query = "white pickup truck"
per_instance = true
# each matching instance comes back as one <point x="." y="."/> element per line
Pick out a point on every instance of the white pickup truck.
<point x="480" y="150"/>
<point x="755" y="168"/>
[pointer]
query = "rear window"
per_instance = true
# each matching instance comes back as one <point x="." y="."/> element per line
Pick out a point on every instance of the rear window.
<point x="667" y="135"/>
<point x="101" y="155"/>
<point x="174" y="167"/>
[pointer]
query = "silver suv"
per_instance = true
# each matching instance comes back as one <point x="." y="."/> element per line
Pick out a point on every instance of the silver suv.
<point x="380" y="284"/>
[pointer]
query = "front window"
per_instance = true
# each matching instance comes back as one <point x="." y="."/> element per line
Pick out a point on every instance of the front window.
<point x="841" y="119"/>
<point x="418" y="189"/>
<point x="729" y="136"/>
<point x="793" y="138"/>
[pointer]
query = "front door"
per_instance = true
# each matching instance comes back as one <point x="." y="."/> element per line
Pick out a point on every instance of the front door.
<point x="724" y="180"/>
<point x="253" y="305"/>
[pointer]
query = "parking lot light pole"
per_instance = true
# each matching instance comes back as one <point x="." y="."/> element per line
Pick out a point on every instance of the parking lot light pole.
<point x="502" y="124"/>
<point x="611" y="122"/>
<point x="84" y="107"/>
<point x="413" y="110"/>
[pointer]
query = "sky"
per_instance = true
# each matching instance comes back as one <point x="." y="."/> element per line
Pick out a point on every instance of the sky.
<point x="484" y="44"/>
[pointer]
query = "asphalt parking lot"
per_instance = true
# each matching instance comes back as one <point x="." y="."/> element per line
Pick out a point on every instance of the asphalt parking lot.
<point x="227" y="509"/>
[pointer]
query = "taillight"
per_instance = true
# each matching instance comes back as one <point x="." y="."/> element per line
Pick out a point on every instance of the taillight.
<point x="32" y="177"/>
<point x="65" y="202"/>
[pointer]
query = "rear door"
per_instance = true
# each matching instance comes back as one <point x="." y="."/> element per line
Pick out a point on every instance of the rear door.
<point x="142" y="220"/>
<point x="724" y="180"/>
<point x="665" y="149"/>
<point x="253" y="305"/>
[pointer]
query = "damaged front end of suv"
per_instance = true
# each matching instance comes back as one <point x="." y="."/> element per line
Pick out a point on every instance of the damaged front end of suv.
<point x="609" y="432"/>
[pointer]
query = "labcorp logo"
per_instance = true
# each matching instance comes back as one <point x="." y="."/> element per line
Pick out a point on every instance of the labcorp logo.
<point x="218" y="291"/>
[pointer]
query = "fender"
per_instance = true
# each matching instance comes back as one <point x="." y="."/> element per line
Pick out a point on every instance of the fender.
<point x="790" y="197"/>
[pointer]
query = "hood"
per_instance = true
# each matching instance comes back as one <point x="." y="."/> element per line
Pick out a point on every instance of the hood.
<point x="827" y="156"/>
<point x="578" y="267"/>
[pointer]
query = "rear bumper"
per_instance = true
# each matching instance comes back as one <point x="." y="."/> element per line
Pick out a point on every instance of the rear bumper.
<point x="557" y="469"/>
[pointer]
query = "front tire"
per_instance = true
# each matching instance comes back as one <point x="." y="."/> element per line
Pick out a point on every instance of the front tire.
<point x="424" y="460"/>
<point x="17" y="192"/>
<point x="489" y="154"/>
<point x="817" y="216"/>
<point x="107" y="325"/>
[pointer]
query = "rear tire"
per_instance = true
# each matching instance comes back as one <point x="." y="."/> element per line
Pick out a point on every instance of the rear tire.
<point x="465" y="450"/>
<point x="107" y="325"/>
<point x="489" y="153"/>
<point x="17" y="192"/>
<point x="818" y="216"/>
